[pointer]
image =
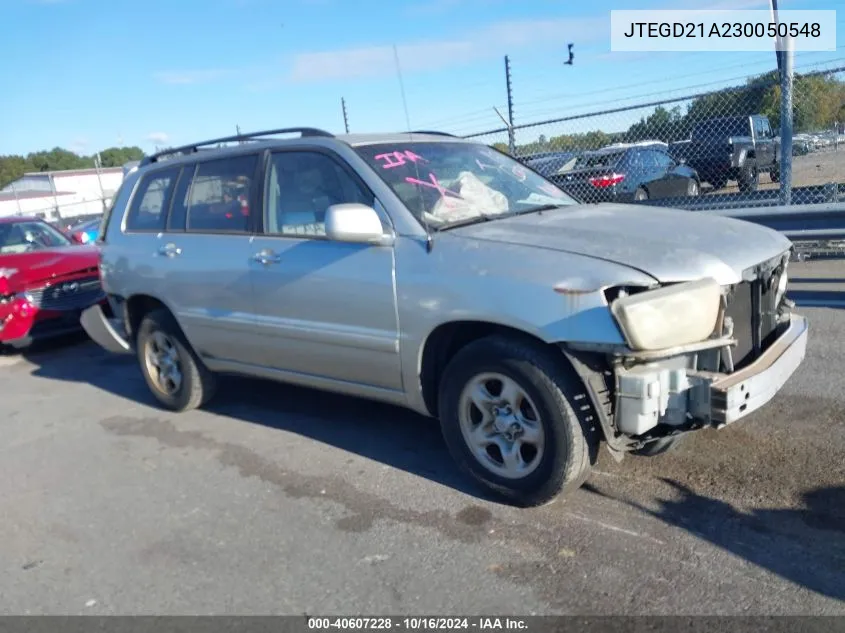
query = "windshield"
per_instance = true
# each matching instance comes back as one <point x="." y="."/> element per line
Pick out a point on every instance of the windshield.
<point x="22" y="237"/>
<point x="446" y="183"/>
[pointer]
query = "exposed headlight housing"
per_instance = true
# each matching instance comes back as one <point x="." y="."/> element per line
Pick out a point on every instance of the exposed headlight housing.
<point x="671" y="316"/>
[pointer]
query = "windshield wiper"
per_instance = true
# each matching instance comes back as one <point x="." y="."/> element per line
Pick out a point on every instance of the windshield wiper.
<point x="540" y="208"/>
<point x="466" y="222"/>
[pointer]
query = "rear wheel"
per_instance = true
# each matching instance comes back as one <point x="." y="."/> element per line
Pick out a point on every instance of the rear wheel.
<point x="693" y="189"/>
<point x="640" y="195"/>
<point x="775" y="174"/>
<point x="508" y="418"/>
<point x="173" y="372"/>
<point x="749" y="177"/>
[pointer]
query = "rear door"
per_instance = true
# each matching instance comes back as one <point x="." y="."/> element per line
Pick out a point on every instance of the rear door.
<point x="201" y="259"/>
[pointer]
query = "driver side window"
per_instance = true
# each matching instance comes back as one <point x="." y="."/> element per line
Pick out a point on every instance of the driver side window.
<point x="301" y="186"/>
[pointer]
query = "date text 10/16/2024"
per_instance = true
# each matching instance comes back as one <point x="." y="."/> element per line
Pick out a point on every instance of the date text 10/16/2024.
<point x="417" y="623"/>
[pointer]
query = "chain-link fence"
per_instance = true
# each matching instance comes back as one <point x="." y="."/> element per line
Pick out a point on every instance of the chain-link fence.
<point x="709" y="150"/>
<point x="57" y="210"/>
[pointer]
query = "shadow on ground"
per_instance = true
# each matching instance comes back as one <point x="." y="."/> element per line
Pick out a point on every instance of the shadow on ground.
<point x="804" y="545"/>
<point x="390" y="435"/>
<point x="830" y="294"/>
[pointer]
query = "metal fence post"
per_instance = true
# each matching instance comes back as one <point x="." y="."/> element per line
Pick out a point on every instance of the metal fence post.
<point x="511" y="134"/>
<point x="786" y="120"/>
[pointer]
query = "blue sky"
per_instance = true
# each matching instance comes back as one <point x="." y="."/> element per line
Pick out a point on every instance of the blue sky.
<point x="88" y="74"/>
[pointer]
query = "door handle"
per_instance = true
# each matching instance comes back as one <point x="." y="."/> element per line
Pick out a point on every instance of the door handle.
<point x="170" y="250"/>
<point x="266" y="258"/>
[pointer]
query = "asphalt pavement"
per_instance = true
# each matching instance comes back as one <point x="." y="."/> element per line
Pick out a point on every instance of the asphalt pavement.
<point x="278" y="500"/>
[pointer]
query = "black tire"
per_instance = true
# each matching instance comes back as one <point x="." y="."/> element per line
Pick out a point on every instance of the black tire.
<point x="719" y="181"/>
<point x="570" y="442"/>
<point x="774" y="175"/>
<point x="748" y="178"/>
<point x="640" y="195"/>
<point x="198" y="384"/>
<point x="658" y="447"/>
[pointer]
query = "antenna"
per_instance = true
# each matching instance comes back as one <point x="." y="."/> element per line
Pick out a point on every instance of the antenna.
<point x="429" y="243"/>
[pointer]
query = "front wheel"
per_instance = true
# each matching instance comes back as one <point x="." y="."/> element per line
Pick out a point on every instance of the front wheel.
<point x="775" y="175"/>
<point x="640" y="195"/>
<point x="508" y="417"/>
<point x="173" y="372"/>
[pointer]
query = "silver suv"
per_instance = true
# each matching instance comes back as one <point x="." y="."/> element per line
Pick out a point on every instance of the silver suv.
<point x="441" y="275"/>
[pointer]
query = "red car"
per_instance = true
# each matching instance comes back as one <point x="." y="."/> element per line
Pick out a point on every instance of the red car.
<point x="46" y="280"/>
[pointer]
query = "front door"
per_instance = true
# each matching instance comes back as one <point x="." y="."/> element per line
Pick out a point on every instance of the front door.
<point x="324" y="309"/>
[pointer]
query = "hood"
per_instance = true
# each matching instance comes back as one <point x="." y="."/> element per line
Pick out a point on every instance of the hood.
<point x="37" y="267"/>
<point x="667" y="244"/>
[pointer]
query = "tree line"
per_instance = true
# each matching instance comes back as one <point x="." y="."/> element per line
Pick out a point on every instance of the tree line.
<point x="818" y="104"/>
<point x="13" y="166"/>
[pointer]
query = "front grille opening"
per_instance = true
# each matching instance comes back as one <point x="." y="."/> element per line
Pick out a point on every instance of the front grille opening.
<point x="67" y="295"/>
<point x="753" y="309"/>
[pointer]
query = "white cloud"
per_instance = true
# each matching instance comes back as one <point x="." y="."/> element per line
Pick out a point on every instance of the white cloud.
<point x="159" y="138"/>
<point x="491" y="41"/>
<point x="187" y="77"/>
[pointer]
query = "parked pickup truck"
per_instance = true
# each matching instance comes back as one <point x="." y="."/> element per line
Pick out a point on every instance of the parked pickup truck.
<point x="732" y="148"/>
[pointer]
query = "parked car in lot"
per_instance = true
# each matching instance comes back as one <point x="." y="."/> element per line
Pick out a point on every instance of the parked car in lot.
<point x="46" y="280"/>
<point x="732" y="148"/>
<point x="625" y="174"/>
<point x="86" y="232"/>
<point x="550" y="163"/>
<point x="441" y="275"/>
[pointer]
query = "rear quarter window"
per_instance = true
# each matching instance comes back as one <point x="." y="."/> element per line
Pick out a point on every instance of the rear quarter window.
<point x="148" y="211"/>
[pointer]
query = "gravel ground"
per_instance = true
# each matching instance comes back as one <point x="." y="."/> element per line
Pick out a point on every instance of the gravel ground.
<point x="281" y="500"/>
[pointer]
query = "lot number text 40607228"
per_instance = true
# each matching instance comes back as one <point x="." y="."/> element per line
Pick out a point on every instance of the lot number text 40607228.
<point x="416" y="623"/>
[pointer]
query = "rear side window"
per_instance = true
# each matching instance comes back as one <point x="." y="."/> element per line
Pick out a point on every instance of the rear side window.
<point x="218" y="199"/>
<point x="606" y="160"/>
<point x="149" y="204"/>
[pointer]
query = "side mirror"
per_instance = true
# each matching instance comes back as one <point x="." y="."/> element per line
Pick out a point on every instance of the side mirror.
<point x="355" y="223"/>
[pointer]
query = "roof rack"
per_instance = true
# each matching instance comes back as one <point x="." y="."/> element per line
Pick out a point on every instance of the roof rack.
<point x="433" y="133"/>
<point x="252" y="136"/>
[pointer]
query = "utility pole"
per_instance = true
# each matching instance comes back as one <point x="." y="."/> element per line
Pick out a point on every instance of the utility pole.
<point x="17" y="199"/>
<point x="345" y="118"/>
<point x="511" y="136"/>
<point x="785" y="55"/>
<point x="98" y="163"/>
<point x="238" y="132"/>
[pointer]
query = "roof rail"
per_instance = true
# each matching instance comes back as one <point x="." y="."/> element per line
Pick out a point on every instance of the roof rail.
<point x="252" y="136"/>
<point x="433" y="133"/>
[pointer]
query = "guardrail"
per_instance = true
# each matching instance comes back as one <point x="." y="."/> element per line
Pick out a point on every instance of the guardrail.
<point x="813" y="222"/>
<point x="813" y="195"/>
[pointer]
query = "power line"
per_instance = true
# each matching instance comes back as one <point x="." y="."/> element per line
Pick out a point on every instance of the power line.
<point x="653" y="81"/>
<point x="673" y="90"/>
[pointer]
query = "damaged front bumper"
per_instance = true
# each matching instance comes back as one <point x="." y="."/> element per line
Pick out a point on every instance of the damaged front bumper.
<point x="736" y="395"/>
<point x="669" y="395"/>
<point x="103" y="331"/>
